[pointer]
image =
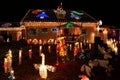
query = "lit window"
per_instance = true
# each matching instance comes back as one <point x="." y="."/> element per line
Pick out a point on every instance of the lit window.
<point x="54" y="29"/>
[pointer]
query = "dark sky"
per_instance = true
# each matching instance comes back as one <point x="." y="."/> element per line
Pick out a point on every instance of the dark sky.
<point x="105" y="10"/>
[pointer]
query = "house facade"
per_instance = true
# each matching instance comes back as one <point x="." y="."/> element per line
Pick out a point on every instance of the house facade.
<point x="52" y="24"/>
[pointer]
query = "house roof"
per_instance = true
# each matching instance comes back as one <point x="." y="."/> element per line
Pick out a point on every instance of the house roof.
<point x="38" y="15"/>
<point x="9" y="24"/>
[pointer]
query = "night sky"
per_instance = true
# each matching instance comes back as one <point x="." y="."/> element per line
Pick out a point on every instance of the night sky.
<point x="105" y="10"/>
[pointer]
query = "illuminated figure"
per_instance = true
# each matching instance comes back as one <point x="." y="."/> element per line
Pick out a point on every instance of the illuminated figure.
<point x="60" y="7"/>
<point x="43" y="68"/>
<point x="5" y="65"/>
<point x="9" y="59"/>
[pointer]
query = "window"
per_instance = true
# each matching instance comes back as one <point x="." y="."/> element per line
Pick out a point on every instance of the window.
<point x="32" y="31"/>
<point x="83" y="31"/>
<point x="54" y="29"/>
<point x="44" y="30"/>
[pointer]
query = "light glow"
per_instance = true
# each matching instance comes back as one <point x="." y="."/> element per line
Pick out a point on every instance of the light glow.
<point x="42" y="15"/>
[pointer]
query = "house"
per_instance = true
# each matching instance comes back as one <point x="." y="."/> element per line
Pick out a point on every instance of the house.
<point x="73" y="25"/>
<point x="11" y="31"/>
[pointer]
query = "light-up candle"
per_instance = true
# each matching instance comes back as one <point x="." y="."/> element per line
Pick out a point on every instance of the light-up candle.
<point x="97" y="30"/>
<point x="40" y="41"/>
<point x="92" y="37"/>
<point x="40" y="49"/>
<point x="57" y="61"/>
<point x="20" y="56"/>
<point x="49" y="48"/>
<point x="89" y="46"/>
<point x="81" y="45"/>
<point x="70" y="47"/>
<point x="30" y="53"/>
